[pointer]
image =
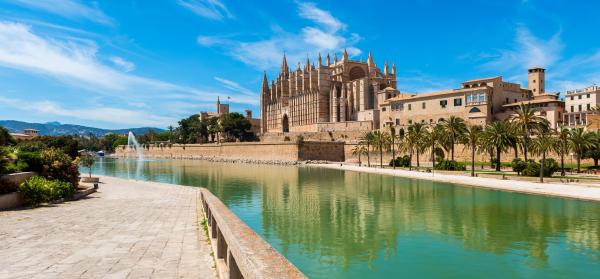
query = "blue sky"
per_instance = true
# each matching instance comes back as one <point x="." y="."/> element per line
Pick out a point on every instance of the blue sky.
<point x="117" y="64"/>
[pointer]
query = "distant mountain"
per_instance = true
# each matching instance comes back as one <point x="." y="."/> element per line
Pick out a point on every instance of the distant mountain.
<point x="57" y="129"/>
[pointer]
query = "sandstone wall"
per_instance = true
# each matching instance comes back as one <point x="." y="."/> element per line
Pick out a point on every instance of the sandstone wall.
<point x="286" y="151"/>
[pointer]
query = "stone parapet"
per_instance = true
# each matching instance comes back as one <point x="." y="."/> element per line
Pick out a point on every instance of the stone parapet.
<point x="239" y="251"/>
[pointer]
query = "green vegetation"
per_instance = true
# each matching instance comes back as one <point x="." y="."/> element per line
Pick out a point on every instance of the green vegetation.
<point x="87" y="161"/>
<point x="38" y="189"/>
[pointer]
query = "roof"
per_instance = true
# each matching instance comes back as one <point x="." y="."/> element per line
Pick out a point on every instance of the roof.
<point x="19" y="135"/>
<point x="481" y="79"/>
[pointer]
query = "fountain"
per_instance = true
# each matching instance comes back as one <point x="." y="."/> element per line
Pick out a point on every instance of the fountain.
<point x="133" y="143"/>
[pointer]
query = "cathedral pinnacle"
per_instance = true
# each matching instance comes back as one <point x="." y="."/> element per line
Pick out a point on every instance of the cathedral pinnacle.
<point x="345" y="55"/>
<point x="328" y="59"/>
<point x="394" y="69"/>
<point x="385" y="68"/>
<point x="284" y="66"/>
<point x="370" y="60"/>
<point x="320" y="61"/>
<point x="335" y="59"/>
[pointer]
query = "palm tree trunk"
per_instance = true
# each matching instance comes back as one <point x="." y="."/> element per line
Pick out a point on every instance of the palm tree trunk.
<point x="410" y="159"/>
<point x="452" y="149"/>
<point x="418" y="158"/>
<point x="578" y="163"/>
<point x="473" y="160"/>
<point x="562" y="161"/>
<point x="542" y="167"/>
<point x="497" y="159"/>
<point x="381" y="156"/>
<point x="525" y="140"/>
<point x="393" y="154"/>
<point x="368" y="156"/>
<point x="359" y="162"/>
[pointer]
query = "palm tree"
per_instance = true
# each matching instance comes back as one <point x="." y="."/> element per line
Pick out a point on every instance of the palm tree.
<point x="497" y="134"/>
<point x="579" y="141"/>
<point x="542" y="144"/>
<point x="563" y="147"/>
<point x="432" y="140"/>
<point x="526" y="120"/>
<point x="359" y="149"/>
<point x="393" y="139"/>
<point x="380" y="141"/>
<point x="368" y="140"/>
<point x="416" y="132"/>
<point x="455" y="128"/>
<point x="472" y="138"/>
<point x="514" y="131"/>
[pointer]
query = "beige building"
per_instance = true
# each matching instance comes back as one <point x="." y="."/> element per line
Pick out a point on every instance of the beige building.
<point x="478" y="101"/>
<point x="27" y="134"/>
<point x="224" y="108"/>
<point x="579" y="104"/>
<point x="338" y="95"/>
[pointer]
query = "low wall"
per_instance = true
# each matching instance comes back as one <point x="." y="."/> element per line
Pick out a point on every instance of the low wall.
<point x="11" y="182"/>
<point x="288" y="151"/>
<point x="239" y="251"/>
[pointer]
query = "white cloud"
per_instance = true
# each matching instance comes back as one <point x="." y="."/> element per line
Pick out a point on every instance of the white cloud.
<point x="235" y="87"/>
<point x="322" y="17"/>
<point x="211" y="9"/>
<point x="99" y="114"/>
<point x="324" y="34"/>
<point x="72" y="9"/>
<point x="122" y="63"/>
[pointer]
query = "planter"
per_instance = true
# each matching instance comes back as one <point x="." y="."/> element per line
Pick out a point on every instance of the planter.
<point x="88" y="179"/>
<point x="11" y="200"/>
<point x="11" y="182"/>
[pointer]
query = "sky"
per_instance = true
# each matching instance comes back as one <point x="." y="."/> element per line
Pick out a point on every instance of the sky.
<point x="130" y="63"/>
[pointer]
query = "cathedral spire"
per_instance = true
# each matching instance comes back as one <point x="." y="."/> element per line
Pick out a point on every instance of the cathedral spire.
<point x="345" y="55"/>
<point x="328" y="59"/>
<point x="320" y="61"/>
<point x="284" y="66"/>
<point x="307" y="65"/>
<point x="265" y="83"/>
<point x="370" y="60"/>
<point x="335" y="59"/>
<point x="385" y="68"/>
<point x="394" y="69"/>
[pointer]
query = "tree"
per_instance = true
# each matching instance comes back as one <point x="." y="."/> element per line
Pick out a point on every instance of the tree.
<point x="497" y="135"/>
<point x="380" y="142"/>
<point x="455" y="128"/>
<point x="526" y="120"/>
<point x="234" y="125"/>
<point x="593" y="152"/>
<point x="171" y="129"/>
<point x="563" y="146"/>
<point x="359" y="149"/>
<point x="472" y="138"/>
<point x="393" y="140"/>
<point x="542" y="144"/>
<point x="579" y="142"/>
<point x="432" y="138"/>
<point x="5" y="137"/>
<point x="87" y="161"/>
<point x="416" y="133"/>
<point x="368" y="139"/>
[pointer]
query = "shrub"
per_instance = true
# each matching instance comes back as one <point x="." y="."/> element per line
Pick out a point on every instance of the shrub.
<point x="518" y="165"/>
<point x="38" y="189"/>
<point x="58" y="166"/>
<point x="533" y="168"/>
<point x="32" y="159"/>
<point x="400" y="161"/>
<point x="449" y="165"/>
<point x="17" y="166"/>
<point x="88" y="161"/>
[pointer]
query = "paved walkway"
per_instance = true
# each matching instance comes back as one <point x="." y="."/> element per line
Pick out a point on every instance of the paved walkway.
<point x="574" y="191"/>
<point x="127" y="229"/>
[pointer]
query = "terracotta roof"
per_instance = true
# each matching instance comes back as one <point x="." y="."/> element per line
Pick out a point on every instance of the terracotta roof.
<point x="539" y="101"/>
<point x="444" y="92"/>
<point x="482" y="79"/>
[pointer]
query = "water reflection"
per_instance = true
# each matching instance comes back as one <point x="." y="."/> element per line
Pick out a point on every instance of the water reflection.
<point x="346" y="224"/>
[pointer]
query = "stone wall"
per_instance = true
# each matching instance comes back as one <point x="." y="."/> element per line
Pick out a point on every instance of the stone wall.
<point x="283" y="151"/>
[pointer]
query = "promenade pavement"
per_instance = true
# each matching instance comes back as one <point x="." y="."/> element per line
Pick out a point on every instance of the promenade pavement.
<point x="128" y="229"/>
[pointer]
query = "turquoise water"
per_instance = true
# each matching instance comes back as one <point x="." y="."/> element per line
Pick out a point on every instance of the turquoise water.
<point x="337" y="224"/>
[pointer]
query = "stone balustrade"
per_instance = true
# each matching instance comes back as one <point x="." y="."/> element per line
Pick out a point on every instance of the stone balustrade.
<point x="239" y="251"/>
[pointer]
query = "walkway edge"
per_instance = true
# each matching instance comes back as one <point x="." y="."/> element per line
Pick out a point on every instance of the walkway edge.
<point x="571" y="191"/>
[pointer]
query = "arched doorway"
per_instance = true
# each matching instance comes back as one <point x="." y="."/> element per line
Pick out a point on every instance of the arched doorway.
<point x="285" y="123"/>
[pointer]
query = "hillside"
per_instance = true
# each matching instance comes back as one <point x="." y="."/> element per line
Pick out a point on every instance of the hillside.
<point x="58" y="129"/>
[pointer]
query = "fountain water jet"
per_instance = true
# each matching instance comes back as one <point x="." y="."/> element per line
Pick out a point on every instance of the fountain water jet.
<point x="133" y="143"/>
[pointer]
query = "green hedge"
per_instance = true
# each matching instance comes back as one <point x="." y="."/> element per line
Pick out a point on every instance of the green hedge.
<point x="38" y="189"/>
<point x="532" y="168"/>
<point x="403" y="161"/>
<point x="449" y="165"/>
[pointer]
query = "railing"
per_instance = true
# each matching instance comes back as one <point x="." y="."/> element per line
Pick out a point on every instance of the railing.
<point x="239" y="251"/>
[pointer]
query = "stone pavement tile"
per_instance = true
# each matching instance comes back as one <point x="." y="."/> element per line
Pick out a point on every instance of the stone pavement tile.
<point x="127" y="229"/>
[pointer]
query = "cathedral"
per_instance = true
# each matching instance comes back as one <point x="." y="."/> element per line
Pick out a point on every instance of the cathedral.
<point x="336" y="95"/>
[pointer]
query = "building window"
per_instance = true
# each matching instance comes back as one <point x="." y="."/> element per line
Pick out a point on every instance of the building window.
<point x="482" y="98"/>
<point x="534" y="81"/>
<point x="468" y="99"/>
<point x="588" y="107"/>
<point x="423" y="105"/>
<point x="423" y="121"/>
<point x="572" y="108"/>
<point x="458" y="102"/>
<point x="409" y="106"/>
<point x="430" y="120"/>
<point x="507" y="100"/>
<point x="534" y="90"/>
<point x="383" y="109"/>
<point x="409" y="122"/>
<point x="443" y="103"/>
<point x="475" y="109"/>
<point x="579" y="97"/>
<point x="571" y="98"/>
<point x="588" y="96"/>
<point x="397" y="121"/>
<point x="579" y="106"/>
